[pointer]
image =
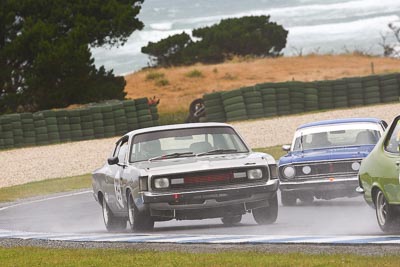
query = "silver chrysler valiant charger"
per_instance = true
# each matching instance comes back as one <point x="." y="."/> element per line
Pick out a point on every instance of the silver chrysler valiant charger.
<point x="185" y="171"/>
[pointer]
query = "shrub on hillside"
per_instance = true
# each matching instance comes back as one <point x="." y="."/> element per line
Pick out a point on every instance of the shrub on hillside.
<point x="251" y="35"/>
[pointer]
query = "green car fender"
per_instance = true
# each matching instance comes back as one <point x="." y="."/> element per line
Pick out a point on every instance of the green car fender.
<point x="378" y="171"/>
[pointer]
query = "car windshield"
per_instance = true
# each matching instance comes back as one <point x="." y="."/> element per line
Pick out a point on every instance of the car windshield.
<point x="177" y="143"/>
<point x="336" y="136"/>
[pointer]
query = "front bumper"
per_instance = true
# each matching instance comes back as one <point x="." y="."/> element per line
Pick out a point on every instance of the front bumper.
<point x="321" y="185"/>
<point x="210" y="203"/>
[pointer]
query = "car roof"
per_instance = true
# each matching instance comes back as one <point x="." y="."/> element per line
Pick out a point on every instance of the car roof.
<point x="339" y="121"/>
<point x="178" y="126"/>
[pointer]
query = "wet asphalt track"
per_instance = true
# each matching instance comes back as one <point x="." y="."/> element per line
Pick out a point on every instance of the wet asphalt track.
<point x="79" y="213"/>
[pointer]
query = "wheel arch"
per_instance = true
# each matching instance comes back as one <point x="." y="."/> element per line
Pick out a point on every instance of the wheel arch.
<point x="100" y="197"/>
<point x="374" y="191"/>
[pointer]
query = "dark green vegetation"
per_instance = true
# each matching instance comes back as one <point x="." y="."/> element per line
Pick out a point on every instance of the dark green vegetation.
<point x="252" y="35"/>
<point x="45" y="60"/>
<point x="32" y="256"/>
<point x="45" y="187"/>
<point x="281" y="99"/>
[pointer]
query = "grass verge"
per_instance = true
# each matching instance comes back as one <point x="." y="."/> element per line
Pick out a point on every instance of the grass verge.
<point x="45" y="187"/>
<point x="32" y="256"/>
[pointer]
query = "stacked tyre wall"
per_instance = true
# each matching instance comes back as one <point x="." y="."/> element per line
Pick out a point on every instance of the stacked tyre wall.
<point x="90" y="122"/>
<point x="275" y="99"/>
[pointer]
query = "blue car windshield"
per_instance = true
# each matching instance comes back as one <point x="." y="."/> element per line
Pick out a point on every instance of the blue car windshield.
<point x="336" y="138"/>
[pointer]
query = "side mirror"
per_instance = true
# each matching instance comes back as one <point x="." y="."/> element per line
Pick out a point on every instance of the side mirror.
<point x="112" y="160"/>
<point x="286" y="148"/>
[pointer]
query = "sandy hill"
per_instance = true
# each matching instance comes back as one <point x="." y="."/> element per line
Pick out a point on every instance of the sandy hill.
<point x="178" y="86"/>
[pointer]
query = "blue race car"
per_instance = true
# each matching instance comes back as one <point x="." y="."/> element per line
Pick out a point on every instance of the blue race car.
<point x="324" y="158"/>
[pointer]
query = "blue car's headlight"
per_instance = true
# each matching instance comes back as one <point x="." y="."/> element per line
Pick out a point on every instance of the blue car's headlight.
<point x="289" y="172"/>
<point x="306" y="169"/>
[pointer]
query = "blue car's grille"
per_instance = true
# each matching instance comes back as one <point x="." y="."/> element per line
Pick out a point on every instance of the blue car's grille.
<point x="318" y="169"/>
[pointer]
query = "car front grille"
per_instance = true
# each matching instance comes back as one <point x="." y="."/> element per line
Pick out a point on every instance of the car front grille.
<point x="326" y="169"/>
<point x="211" y="179"/>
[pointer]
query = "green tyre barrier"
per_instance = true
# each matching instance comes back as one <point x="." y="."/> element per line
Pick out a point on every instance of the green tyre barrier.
<point x="233" y="100"/>
<point x="212" y="96"/>
<point x="142" y="106"/>
<point x="236" y="113"/>
<point x="214" y="109"/>
<point x="238" y="118"/>
<point x="390" y="99"/>
<point x="132" y="120"/>
<point x="230" y="94"/>
<point x="146" y="124"/>
<point x="128" y="103"/>
<point x="75" y="127"/>
<point x="372" y="100"/>
<point x="75" y="120"/>
<point x="254" y="106"/>
<point x="108" y="115"/>
<point x="143" y="112"/>
<point x="144" y="118"/>
<point x="253" y="100"/>
<point x="143" y="100"/>
<point x="213" y="102"/>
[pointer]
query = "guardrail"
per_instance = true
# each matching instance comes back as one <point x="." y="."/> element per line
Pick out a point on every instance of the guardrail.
<point x="274" y="99"/>
<point x="64" y="125"/>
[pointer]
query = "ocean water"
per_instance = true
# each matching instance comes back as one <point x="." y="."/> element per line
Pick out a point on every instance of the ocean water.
<point x="315" y="26"/>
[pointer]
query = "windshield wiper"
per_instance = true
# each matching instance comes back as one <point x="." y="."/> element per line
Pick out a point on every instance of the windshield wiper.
<point x="217" y="151"/>
<point x="172" y="155"/>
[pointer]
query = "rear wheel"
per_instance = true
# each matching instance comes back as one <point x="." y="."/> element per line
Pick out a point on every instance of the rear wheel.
<point x="138" y="221"/>
<point x="231" y="220"/>
<point x="388" y="218"/>
<point x="268" y="214"/>
<point x="111" y="222"/>
<point x="288" y="198"/>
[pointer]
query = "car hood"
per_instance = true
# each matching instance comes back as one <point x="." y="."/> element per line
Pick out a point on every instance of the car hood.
<point x="203" y="163"/>
<point x="338" y="153"/>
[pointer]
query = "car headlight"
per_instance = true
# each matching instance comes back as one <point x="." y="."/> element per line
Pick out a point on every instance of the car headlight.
<point x="306" y="169"/>
<point x="254" y="174"/>
<point x="289" y="172"/>
<point x="355" y="166"/>
<point x="161" y="183"/>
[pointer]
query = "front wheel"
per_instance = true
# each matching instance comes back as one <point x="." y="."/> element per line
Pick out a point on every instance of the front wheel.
<point x="268" y="214"/>
<point x="111" y="222"/>
<point x="138" y="221"/>
<point x="385" y="214"/>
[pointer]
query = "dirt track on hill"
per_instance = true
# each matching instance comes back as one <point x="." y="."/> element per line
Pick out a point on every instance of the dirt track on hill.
<point x="24" y="165"/>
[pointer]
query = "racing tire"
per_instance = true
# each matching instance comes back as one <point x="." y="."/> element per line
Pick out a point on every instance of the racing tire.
<point x="268" y="214"/>
<point x="288" y="199"/>
<point x="386" y="215"/>
<point x="111" y="222"/>
<point x="231" y="220"/>
<point x="138" y="221"/>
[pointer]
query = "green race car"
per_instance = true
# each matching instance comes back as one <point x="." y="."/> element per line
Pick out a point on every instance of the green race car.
<point x="379" y="178"/>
